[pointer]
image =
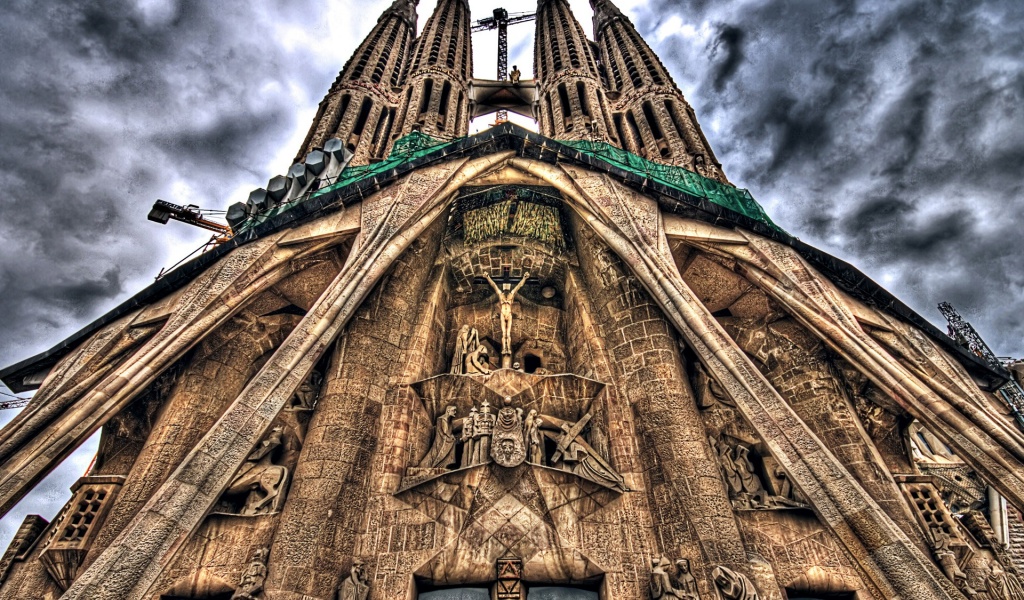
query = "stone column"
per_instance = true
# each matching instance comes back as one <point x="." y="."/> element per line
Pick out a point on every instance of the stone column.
<point x="683" y="475"/>
<point x="217" y="372"/>
<point x="795" y="364"/>
<point x="326" y="507"/>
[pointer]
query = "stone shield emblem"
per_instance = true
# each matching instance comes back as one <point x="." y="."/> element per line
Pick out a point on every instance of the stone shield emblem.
<point x="507" y="446"/>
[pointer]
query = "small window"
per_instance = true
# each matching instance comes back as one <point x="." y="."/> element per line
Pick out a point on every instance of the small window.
<point x="531" y="363"/>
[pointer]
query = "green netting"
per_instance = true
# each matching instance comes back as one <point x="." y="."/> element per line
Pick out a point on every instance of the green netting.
<point x="735" y="199"/>
<point x="412" y="146"/>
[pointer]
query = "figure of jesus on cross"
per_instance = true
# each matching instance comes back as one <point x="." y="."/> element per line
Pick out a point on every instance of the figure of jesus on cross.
<point x="506" y="293"/>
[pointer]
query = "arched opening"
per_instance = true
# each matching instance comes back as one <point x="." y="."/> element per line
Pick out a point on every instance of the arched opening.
<point x="563" y="100"/>
<point x="532" y="362"/>
<point x="357" y="130"/>
<point x="428" y="90"/>
<point x="442" y="109"/>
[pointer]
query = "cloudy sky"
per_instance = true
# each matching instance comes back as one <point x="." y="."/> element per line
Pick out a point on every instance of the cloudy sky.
<point x="888" y="132"/>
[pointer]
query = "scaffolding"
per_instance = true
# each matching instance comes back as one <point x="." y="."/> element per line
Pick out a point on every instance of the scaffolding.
<point x="968" y="337"/>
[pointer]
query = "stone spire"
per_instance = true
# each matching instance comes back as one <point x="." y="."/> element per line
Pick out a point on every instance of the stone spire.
<point x="571" y="98"/>
<point x="435" y="100"/>
<point x="361" y="105"/>
<point x="650" y="114"/>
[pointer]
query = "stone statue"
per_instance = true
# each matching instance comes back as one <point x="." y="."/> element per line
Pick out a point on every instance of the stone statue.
<point x="1001" y="585"/>
<point x="477" y="361"/>
<point x="468" y="443"/>
<point x="534" y="439"/>
<point x="732" y="478"/>
<point x="442" y="451"/>
<point x="732" y="585"/>
<point x="580" y="459"/>
<point x="305" y="397"/>
<point x="482" y="431"/>
<point x="686" y="583"/>
<point x="260" y="478"/>
<point x="946" y="557"/>
<point x="506" y="293"/>
<point x="354" y="587"/>
<point x="514" y="75"/>
<point x="470" y="355"/>
<point x="749" y="480"/>
<point x="508" y="448"/>
<point x="255" y="575"/>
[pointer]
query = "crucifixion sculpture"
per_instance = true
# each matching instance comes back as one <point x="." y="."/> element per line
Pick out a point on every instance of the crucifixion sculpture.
<point x="506" y="293"/>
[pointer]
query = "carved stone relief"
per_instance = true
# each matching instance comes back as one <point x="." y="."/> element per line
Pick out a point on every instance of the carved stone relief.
<point x="664" y="585"/>
<point x="355" y="586"/>
<point x="259" y="486"/>
<point x="732" y="585"/>
<point x="471" y="356"/>
<point x="250" y="586"/>
<point x="746" y="481"/>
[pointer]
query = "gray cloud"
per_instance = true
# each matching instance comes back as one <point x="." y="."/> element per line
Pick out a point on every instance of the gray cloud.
<point x="888" y="133"/>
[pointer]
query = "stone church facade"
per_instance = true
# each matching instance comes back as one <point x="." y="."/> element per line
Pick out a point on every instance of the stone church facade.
<point x="577" y="363"/>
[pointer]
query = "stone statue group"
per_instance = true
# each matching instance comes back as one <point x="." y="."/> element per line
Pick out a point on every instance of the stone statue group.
<point x="683" y="586"/>
<point x="510" y="438"/>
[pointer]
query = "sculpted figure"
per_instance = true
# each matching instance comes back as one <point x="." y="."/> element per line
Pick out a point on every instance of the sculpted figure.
<point x="534" y="439"/>
<point x="261" y="478"/>
<point x="514" y="75"/>
<point x="732" y="478"/>
<point x="468" y="443"/>
<point x="462" y="346"/>
<point x="732" y="585"/>
<point x="1001" y="585"/>
<point x="749" y="480"/>
<point x="255" y="575"/>
<point x="442" y="451"/>
<point x="477" y="361"/>
<point x="305" y="396"/>
<point x="661" y="582"/>
<point x="354" y="587"/>
<point x="686" y="583"/>
<point x="508" y="448"/>
<point x="947" y="560"/>
<point x="506" y="293"/>
<point x="482" y="433"/>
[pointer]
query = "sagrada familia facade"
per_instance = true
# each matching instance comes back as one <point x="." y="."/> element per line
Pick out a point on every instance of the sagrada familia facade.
<point x="570" y="364"/>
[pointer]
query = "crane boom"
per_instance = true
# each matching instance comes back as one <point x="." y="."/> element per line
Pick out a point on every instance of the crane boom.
<point x="500" y="20"/>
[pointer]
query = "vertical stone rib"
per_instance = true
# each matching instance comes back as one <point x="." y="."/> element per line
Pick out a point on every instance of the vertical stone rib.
<point x="682" y="468"/>
<point x="325" y="510"/>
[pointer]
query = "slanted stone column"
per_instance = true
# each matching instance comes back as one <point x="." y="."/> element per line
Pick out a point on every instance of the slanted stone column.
<point x="218" y="371"/>
<point x="682" y="469"/>
<point x="326" y="507"/>
<point x="795" y="363"/>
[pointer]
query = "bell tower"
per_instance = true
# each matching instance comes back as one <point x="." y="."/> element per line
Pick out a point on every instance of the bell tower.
<point x="360" y="107"/>
<point x="571" y="100"/>
<point x="435" y="98"/>
<point x="652" y="118"/>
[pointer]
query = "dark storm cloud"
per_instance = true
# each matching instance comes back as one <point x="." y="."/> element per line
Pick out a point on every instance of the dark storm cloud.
<point x="888" y="133"/>
<point x="106" y="105"/>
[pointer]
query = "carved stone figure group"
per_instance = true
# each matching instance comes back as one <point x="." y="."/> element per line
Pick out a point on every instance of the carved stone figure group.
<point x="510" y="439"/>
<point x="662" y="585"/>
<point x="471" y="357"/>
<point x="746" y="488"/>
<point x="251" y="583"/>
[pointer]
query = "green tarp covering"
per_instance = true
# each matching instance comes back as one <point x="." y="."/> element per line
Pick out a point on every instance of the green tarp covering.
<point x="735" y="199"/>
<point x="418" y="144"/>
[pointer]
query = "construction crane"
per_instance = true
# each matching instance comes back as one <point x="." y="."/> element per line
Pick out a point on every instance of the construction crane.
<point x="12" y="401"/>
<point x="500" y="21"/>
<point x="163" y="211"/>
<point x="967" y="336"/>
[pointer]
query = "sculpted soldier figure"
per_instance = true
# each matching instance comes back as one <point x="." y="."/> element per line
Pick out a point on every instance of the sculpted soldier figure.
<point x="482" y="433"/>
<point x="534" y="439"/>
<point x="506" y="293"/>
<point x="468" y="443"/>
